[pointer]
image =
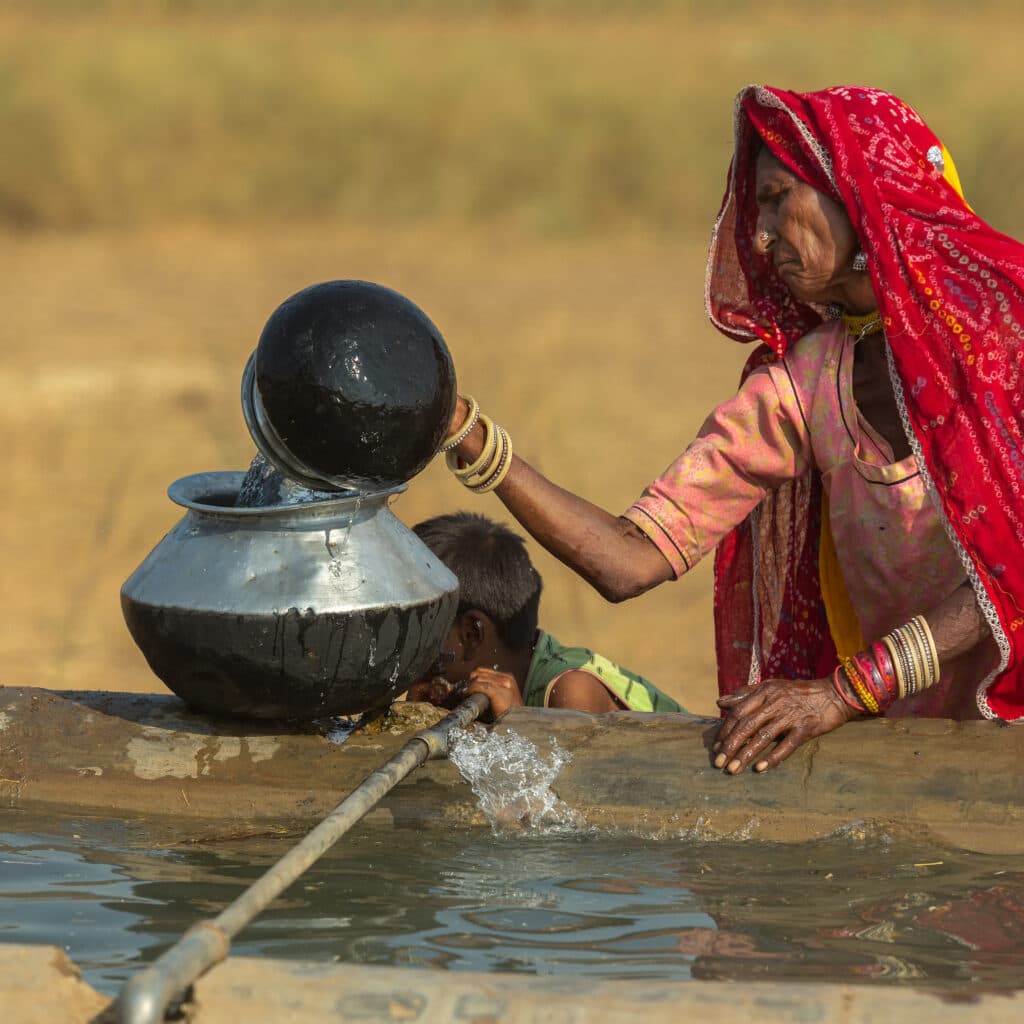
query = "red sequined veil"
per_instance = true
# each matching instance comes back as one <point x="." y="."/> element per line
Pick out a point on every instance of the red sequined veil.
<point x="951" y="298"/>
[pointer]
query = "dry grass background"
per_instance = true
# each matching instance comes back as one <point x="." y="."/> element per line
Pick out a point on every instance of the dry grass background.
<point x="539" y="178"/>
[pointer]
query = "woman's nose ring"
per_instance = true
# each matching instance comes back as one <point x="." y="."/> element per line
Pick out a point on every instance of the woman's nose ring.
<point x="763" y="237"/>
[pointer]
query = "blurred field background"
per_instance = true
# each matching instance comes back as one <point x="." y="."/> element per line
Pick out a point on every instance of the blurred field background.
<point x="540" y="177"/>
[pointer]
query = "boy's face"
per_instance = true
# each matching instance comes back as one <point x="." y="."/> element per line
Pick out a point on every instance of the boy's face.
<point x="451" y="667"/>
<point x="469" y="644"/>
<point x="456" y="658"/>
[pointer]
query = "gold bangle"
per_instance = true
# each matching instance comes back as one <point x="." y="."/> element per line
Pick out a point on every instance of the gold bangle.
<point x="914" y="645"/>
<point x="480" y="479"/>
<point x="900" y="642"/>
<point x="485" y="456"/>
<point x="485" y="474"/>
<point x="928" y="642"/>
<point x="450" y="444"/>
<point x="486" y="471"/>
<point x="482" y="469"/>
<point x="504" y="464"/>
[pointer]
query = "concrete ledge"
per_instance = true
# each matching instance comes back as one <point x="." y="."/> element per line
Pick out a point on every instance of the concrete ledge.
<point x="40" y="986"/>
<point x="958" y="784"/>
<point x="244" y="989"/>
<point x="274" y="991"/>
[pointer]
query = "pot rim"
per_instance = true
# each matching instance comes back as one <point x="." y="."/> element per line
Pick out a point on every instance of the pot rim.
<point x="189" y="492"/>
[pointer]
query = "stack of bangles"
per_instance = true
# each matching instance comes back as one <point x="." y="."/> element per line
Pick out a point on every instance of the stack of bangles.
<point x="902" y="663"/>
<point x="495" y="460"/>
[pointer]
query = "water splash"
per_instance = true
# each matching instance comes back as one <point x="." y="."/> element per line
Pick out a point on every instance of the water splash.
<point x="265" y="485"/>
<point x="512" y="781"/>
<point x="339" y="728"/>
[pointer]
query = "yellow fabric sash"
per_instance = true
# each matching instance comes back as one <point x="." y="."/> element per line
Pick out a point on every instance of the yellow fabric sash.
<point x="842" y="619"/>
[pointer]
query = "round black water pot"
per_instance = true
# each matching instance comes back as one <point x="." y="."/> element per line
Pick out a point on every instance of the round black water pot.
<point x="354" y="387"/>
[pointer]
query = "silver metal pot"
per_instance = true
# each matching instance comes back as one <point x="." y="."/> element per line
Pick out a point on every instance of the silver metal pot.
<point x="321" y="608"/>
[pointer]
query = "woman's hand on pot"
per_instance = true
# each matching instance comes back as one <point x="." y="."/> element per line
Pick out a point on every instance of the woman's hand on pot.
<point x="459" y="415"/>
<point x="783" y="712"/>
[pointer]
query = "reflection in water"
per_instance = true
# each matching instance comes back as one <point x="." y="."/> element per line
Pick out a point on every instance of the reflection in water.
<point x="602" y="906"/>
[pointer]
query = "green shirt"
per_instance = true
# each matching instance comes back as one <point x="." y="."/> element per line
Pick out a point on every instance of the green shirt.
<point x="551" y="659"/>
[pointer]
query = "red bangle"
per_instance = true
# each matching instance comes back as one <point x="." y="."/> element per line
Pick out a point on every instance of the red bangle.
<point x="863" y="666"/>
<point x="875" y="682"/>
<point x="886" y="670"/>
<point x="841" y="690"/>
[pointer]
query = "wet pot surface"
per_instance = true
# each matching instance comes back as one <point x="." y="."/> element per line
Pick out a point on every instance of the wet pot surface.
<point x="354" y="385"/>
<point x="298" y="664"/>
<point x="330" y="607"/>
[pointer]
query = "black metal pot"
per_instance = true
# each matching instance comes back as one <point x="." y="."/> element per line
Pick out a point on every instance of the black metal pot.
<point x="351" y="387"/>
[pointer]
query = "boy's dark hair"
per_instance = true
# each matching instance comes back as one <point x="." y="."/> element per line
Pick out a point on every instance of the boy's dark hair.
<point x="494" y="571"/>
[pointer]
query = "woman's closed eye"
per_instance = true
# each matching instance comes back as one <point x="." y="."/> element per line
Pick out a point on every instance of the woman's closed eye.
<point x="771" y="197"/>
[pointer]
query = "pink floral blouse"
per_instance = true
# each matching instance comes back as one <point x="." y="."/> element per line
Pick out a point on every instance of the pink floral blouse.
<point x="890" y="540"/>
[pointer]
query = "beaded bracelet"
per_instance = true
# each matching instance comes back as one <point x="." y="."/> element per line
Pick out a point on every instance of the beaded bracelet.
<point x="867" y="674"/>
<point x="467" y="426"/>
<point x="867" y="698"/>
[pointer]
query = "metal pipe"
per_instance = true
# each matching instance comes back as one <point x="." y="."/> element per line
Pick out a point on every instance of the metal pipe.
<point x="144" y="998"/>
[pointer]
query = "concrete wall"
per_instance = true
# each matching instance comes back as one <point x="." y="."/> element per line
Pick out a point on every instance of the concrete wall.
<point x="189" y="776"/>
<point x="41" y="986"/>
<point x="958" y="784"/>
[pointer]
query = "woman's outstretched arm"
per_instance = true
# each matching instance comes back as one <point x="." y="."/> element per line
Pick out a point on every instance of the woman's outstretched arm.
<point x="609" y="552"/>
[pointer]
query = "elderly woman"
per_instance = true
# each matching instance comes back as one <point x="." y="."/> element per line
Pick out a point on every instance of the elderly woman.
<point x="863" y="487"/>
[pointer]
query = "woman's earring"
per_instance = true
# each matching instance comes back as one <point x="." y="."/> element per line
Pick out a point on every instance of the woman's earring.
<point x="860" y="261"/>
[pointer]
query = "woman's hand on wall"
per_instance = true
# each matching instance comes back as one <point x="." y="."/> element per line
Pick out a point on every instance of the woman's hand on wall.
<point x="783" y="712"/>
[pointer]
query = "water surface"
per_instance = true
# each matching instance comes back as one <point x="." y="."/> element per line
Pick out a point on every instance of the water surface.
<point x="852" y="908"/>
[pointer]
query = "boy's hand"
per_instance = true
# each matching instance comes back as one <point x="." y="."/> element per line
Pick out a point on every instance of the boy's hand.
<point x="499" y="687"/>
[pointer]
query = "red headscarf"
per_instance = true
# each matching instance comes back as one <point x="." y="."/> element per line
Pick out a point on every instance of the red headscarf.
<point x="951" y="296"/>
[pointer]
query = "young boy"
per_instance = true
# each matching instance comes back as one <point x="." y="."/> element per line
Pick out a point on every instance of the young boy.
<point x="494" y="646"/>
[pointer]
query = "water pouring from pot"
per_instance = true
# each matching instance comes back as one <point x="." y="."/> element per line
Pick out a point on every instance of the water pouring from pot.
<point x="293" y="591"/>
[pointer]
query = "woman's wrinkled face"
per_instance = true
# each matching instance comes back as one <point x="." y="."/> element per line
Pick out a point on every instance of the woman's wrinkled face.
<point x="810" y="239"/>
